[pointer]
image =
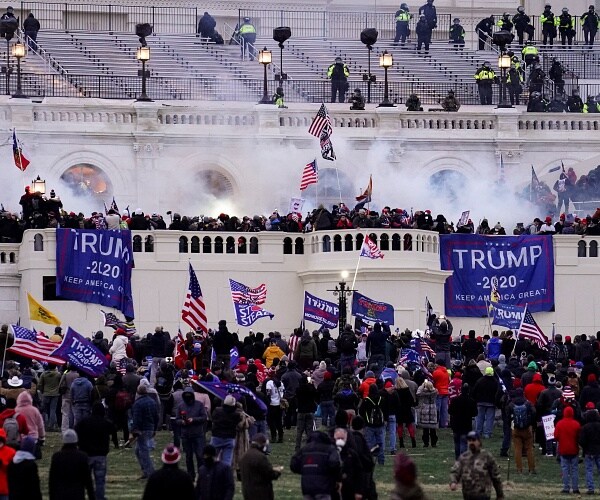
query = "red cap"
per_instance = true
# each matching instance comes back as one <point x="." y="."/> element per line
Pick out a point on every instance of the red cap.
<point x="591" y="378"/>
<point x="590" y="406"/>
<point x="568" y="338"/>
<point x="388" y="384"/>
<point x="548" y="220"/>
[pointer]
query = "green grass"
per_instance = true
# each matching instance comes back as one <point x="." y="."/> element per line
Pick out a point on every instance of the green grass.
<point x="433" y="468"/>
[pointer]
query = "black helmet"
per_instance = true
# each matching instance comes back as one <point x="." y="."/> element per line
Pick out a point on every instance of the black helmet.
<point x="547" y="6"/>
<point x="357" y="91"/>
<point x="404" y="6"/>
<point x="246" y="19"/>
<point x="456" y="20"/>
<point x="451" y="92"/>
<point x="520" y="8"/>
<point x="565" y="9"/>
<point x="486" y="63"/>
<point x="592" y="7"/>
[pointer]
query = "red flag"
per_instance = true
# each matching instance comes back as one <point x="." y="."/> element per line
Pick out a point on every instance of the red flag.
<point x="180" y="354"/>
<point x="20" y="161"/>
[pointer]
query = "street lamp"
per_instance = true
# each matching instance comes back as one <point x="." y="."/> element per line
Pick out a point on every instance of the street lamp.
<point x="143" y="55"/>
<point x="504" y="62"/>
<point x="341" y="291"/>
<point x="19" y="51"/>
<point x="369" y="36"/>
<point x="264" y="58"/>
<point x="38" y="185"/>
<point x="386" y="61"/>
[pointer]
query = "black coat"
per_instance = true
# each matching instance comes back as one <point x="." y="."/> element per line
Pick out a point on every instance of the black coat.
<point x="70" y="476"/>
<point x="257" y="475"/>
<point x="462" y="409"/>
<point x="318" y="462"/>
<point x="24" y="481"/>
<point x="589" y="436"/>
<point x="214" y="483"/>
<point x="406" y="402"/>
<point x="169" y="482"/>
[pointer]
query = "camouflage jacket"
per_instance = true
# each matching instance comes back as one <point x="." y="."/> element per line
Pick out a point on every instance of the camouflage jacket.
<point x="477" y="472"/>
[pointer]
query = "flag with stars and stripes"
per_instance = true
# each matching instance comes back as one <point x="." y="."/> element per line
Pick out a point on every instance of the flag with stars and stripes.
<point x="531" y="330"/>
<point x="369" y="249"/>
<point x="242" y="294"/>
<point x="321" y="122"/>
<point x="194" y="309"/>
<point x="409" y="356"/>
<point x="110" y="319"/>
<point x="310" y="175"/>
<point x="34" y="345"/>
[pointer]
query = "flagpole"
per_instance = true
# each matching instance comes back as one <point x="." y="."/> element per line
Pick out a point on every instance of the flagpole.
<point x="553" y="332"/>
<point x="487" y="307"/>
<point x="519" y="332"/>
<point x="4" y="353"/>
<point x="338" y="179"/>
<point x="355" y="273"/>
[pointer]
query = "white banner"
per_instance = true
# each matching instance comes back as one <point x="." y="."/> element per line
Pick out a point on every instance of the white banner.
<point x="548" y="423"/>
<point x="296" y="205"/>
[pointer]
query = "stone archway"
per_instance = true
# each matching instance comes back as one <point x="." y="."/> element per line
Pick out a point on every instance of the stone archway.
<point x="327" y="191"/>
<point x="88" y="181"/>
<point x="448" y="183"/>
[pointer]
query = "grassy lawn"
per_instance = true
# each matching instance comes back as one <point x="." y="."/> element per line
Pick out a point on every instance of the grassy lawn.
<point x="433" y="468"/>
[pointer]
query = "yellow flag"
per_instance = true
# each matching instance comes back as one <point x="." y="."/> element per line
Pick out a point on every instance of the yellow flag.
<point x="38" y="312"/>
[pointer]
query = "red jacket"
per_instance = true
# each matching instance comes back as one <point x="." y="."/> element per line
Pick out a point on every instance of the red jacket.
<point x="566" y="433"/>
<point x="532" y="391"/>
<point x="441" y="380"/>
<point x="6" y="455"/>
<point x="21" y="420"/>
<point x="364" y="387"/>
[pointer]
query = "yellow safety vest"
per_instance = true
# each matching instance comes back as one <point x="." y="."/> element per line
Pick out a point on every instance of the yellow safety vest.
<point x="247" y="28"/>
<point x="403" y="17"/>
<point x="485" y="75"/>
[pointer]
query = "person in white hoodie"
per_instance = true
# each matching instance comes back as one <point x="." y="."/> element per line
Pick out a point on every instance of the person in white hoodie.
<point x="118" y="350"/>
<point x="361" y="349"/>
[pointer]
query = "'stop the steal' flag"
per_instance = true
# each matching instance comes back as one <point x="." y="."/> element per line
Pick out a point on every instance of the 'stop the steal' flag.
<point x="82" y="354"/>
<point x="320" y="311"/>
<point x="95" y="266"/>
<point x="371" y="310"/>
<point x="245" y="302"/>
<point x="369" y="249"/>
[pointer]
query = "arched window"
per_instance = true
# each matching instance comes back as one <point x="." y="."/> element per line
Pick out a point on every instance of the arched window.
<point x="2" y="258"/>
<point x="287" y="246"/>
<point x="593" y="248"/>
<point x="218" y="244"/>
<point x="230" y="244"/>
<point x="359" y="241"/>
<point x="348" y="243"/>
<point x="581" y="249"/>
<point x="254" y="245"/>
<point x="149" y="244"/>
<point x="12" y="257"/>
<point x="326" y="243"/>
<point x="38" y="243"/>
<point x="408" y="242"/>
<point x="395" y="242"/>
<point x="195" y="244"/>
<point x="242" y="245"/>
<point x="299" y="246"/>
<point x="384" y="243"/>
<point x="88" y="181"/>
<point x="137" y="243"/>
<point x="337" y="243"/>
<point x="183" y="244"/>
<point x="206" y="245"/>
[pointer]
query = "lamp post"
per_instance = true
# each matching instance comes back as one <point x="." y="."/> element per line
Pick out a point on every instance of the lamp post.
<point x="143" y="55"/>
<point x="38" y="185"/>
<point x="504" y="62"/>
<point x="19" y="51"/>
<point x="386" y="61"/>
<point x="369" y="36"/>
<point x="341" y="291"/>
<point x="265" y="58"/>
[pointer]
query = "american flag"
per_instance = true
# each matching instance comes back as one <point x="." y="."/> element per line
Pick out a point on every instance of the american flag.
<point x="310" y="175"/>
<point x="369" y="249"/>
<point x="326" y="145"/>
<point x="320" y="122"/>
<point x="110" y="319"/>
<point x="241" y="294"/>
<point x="409" y="356"/>
<point x="35" y="345"/>
<point x="530" y="330"/>
<point x="194" y="308"/>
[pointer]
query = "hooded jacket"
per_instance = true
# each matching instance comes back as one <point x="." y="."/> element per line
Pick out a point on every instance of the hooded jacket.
<point x="589" y="437"/>
<point x="533" y="390"/>
<point x="6" y="456"/>
<point x="567" y="432"/>
<point x="318" y="462"/>
<point x="118" y="350"/>
<point x="33" y="417"/>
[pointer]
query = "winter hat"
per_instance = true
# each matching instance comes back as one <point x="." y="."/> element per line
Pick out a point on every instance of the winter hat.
<point x="405" y="470"/>
<point x="532" y="366"/>
<point x="28" y="444"/>
<point x="568" y="338"/>
<point x="588" y="406"/>
<point x="568" y="393"/>
<point x="591" y="378"/>
<point x="69" y="437"/>
<point x="537" y="377"/>
<point x="322" y="365"/>
<point x="229" y="400"/>
<point x="327" y="376"/>
<point x="489" y="371"/>
<point x="551" y="380"/>
<point x="388" y="384"/>
<point x="170" y="455"/>
<point x="369" y="374"/>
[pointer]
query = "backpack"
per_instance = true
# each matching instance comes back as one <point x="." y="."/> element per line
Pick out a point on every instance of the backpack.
<point x="123" y="401"/>
<point x="375" y="415"/>
<point x="521" y="416"/>
<point x="347" y="344"/>
<point x="162" y="385"/>
<point x="331" y="347"/>
<point x="11" y="427"/>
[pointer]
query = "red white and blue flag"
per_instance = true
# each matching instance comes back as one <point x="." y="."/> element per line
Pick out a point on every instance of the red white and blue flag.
<point x="310" y="175"/>
<point x="530" y="330"/>
<point x="194" y="309"/>
<point x="243" y="294"/>
<point x="34" y="345"/>
<point x="369" y="249"/>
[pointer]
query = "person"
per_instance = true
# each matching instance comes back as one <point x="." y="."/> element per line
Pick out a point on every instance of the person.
<point x="224" y="423"/>
<point x="485" y="77"/>
<point x="537" y="77"/>
<point x="484" y="31"/>
<point x="536" y="103"/>
<point x="371" y="410"/>
<point x="257" y="473"/>
<point x="144" y="426"/>
<point x="357" y="100"/>
<point x="522" y="414"/>
<point x="306" y="397"/>
<point x="514" y="84"/>
<point x="457" y="34"/>
<point x="81" y="397"/>
<point x="522" y="24"/>
<point x="590" y="21"/>
<point x="318" y="463"/>
<point x="556" y="74"/>
<point x="563" y="188"/>
<point x="505" y="24"/>
<point x="6" y="455"/>
<point x="450" y="102"/>
<point x="427" y="417"/>
<point x="424" y="30"/>
<point x="403" y="17"/>
<point x="34" y="419"/>
<point x="428" y="10"/>
<point x="462" y="410"/>
<point x="278" y="98"/>
<point x="477" y="471"/>
<point x="95" y="433"/>
<point x="31" y="26"/>
<point x="589" y="440"/>
<point x="530" y="54"/>
<point x="247" y="33"/>
<point x="338" y="73"/>
<point x="352" y="485"/>
<point x="548" y="25"/>
<point x="8" y="18"/>
<point x="405" y="412"/>
<point x="70" y="476"/>
<point x="48" y="385"/>
<point x="484" y="393"/>
<point x="566" y="433"/>
<point x="441" y="382"/>
<point x="23" y="476"/>
<point x="169" y="481"/>
<point x="190" y="417"/>
<point x="215" y="478"/>
<point x="405" y="475"/>
<point x="574" y="102"/>
<point x="566" y="27"/>
<point x="591" y="105"/>
<point x="206" y="26"/>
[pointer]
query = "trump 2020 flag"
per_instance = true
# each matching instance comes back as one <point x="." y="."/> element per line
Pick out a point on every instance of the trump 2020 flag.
<point x="320" y="311"/>
<point x="507" y="315"/>
<point x="82" y="354"/>
<point x="369" y="249"/>
<point x="95" y="266"/>
<point x="372" y="311"/>
<point x="234" y="358"/>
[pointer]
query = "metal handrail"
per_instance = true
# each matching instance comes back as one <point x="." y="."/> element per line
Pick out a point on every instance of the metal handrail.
<point x="50" y="62"/>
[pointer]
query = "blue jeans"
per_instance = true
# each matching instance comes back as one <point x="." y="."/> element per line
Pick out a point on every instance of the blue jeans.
<point x="224" y="446"/>
<point x="390" y="429"/>
<point x="569" y="466"/>
<point x="327" y="413"/>
<point x="193" y="446"/>
<point x="49" y="403"/>
<point x="142" y="452"/>
<point x="485" y="419"/>
<point x="258" y="427"/>
<point x="376" y="436"/>
<point x="441" y="404"/>
<point x="460" y="444"/>
<point x="80" y="412"/>
<point x="590" y="462"/>
<point x="98" y="467"/>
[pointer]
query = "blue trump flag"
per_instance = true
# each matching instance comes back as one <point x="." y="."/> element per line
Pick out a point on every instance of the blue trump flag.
<point x="372" y="311"/>
<point x="505" y="315"/>
<point x="222" y="389"/>
<point x="320" y="311"/>
<point x="520" y="268"/>
<point x="234" y="358"/>
<point x="82" y="354"/>
<point x="95" y="266"/>
<point x="247" y="314"/>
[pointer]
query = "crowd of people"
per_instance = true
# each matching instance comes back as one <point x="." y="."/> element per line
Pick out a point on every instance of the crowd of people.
<point x="371" y="394"/>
